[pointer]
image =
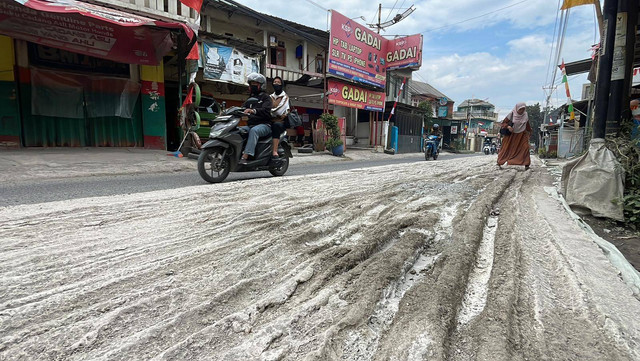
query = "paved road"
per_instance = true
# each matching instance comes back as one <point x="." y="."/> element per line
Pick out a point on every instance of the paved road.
<point x="39" y="191"/>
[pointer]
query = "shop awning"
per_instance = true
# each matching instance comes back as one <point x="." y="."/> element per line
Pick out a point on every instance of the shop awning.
<point x="89" y="29"/>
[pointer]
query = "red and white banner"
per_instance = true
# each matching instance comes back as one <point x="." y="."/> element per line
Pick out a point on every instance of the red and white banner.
<point x="355" y="52"/>
<point x="636" y="76"/>
<point x="89" y="29"/>
<point x="404" y="52"/>
<point x="352" y="96"/>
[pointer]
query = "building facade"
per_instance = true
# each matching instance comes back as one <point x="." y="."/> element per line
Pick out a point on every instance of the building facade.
<point x="70" y="74"/>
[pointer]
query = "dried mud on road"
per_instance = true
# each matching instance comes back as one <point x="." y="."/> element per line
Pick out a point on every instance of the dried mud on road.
<point x="446" y="260"/>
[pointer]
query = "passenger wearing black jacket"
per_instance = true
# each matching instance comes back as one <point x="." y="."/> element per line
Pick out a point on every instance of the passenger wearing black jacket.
<point x="259" y="124"/>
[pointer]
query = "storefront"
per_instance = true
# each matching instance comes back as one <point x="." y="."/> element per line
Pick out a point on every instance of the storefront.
<point x="77" y="74"/>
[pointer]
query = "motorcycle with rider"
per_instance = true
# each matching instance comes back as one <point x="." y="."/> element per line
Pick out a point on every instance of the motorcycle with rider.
<point x="232" y="148"/>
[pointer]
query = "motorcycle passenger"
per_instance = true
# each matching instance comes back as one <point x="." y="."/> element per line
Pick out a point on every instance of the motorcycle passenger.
<point x="259" y="124"/>
<point x="279" y="113"/>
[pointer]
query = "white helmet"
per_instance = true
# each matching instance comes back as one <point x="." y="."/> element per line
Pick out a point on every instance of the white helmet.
<point x="258" y="78"/>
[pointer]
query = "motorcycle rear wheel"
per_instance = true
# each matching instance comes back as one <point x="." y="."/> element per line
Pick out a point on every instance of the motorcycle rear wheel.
<point x="218" y="166"/>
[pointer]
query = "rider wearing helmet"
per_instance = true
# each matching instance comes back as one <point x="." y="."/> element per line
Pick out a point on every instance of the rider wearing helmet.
<point x="259" y="109"/>
<point x="435" y="130"/>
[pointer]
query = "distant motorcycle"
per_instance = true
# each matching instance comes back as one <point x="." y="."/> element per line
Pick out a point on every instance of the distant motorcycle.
<point x="431" y="144"/>
<point x="221" y="154"/>
<point x="486" y="149"/>
<point x="494" y="148"/>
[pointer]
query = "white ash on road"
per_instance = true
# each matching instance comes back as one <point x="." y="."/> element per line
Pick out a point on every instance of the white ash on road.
<point x="402" y="262"/>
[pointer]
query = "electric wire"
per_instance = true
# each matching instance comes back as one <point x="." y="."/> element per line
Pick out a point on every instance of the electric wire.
<point x="390" y="11"/>
<point x="318" y="5"/>
<point x="475" y="17"/>
<point x="555" y="28"/>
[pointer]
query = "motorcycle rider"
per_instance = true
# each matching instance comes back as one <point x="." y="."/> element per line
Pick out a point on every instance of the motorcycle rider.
<point x="435" y="130"/>
<point x="259" y="124"/>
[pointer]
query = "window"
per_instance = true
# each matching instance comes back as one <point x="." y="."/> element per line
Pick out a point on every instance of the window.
<point x="278" y="56"/>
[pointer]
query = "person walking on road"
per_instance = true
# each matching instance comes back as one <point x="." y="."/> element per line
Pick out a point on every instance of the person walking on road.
<point x="515" y="145"/>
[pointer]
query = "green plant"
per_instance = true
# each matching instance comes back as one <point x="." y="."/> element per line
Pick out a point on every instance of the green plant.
<point x="627" y="152"/>
<point x="542" y="153"/>
<point x="458" y="144"/>
<point x="332" y="143"/>
<point x="330" y="122"/>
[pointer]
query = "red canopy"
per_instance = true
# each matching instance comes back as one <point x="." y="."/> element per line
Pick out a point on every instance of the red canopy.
<point x="89" y="29"/>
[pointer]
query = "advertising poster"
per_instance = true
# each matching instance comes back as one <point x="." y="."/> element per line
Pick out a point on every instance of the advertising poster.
<point x="352" y="96"/>
<point x="355" y="52"/>
<point x="405" y="52"/>
<point x="225" y="63"/>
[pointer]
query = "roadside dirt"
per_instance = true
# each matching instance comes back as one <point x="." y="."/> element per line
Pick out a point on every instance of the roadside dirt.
<point x="430" y="261"/>
<point x="627" y="240"/>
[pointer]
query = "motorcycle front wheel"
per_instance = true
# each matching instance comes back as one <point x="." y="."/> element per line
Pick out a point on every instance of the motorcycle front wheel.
<point x="427" y="153"/>
<point x="282" y="168"/>
<point x="213" y="166"/>
<point x="435" y="155"/>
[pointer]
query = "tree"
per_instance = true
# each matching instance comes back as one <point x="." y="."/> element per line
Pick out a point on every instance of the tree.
<point x="535" y="119"/>
<point x="427" y="107"/>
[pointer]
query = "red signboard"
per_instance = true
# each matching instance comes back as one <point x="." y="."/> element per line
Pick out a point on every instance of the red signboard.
<point x="404" y="52"/>
<point x="352" y="96"/>
<point x="88" y="29"/>
<point x="355" y="52"/>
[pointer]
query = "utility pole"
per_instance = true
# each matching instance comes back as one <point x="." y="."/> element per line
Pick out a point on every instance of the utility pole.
<point x="621" y="62"/>
<point x="604" y="69"/>
<point x="379" y="16"/>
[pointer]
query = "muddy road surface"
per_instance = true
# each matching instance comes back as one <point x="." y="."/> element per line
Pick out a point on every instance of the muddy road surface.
<point x="427" y="261"/>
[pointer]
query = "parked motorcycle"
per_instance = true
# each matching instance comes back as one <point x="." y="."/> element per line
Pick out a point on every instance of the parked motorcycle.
<point x="431" y="144"/>
<point x="222" y="153"/>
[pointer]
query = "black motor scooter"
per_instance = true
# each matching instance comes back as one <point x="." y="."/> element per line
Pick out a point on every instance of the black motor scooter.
<point x="222" y="153"/>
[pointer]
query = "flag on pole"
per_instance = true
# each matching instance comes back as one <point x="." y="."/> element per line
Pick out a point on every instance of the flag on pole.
<point x="194" y="4"/>
<point x="566" y="4"/>
<point x="572" y="114"/>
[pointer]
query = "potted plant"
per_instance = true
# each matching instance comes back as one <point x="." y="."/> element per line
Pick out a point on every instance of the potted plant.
<point x="334" y="144"/>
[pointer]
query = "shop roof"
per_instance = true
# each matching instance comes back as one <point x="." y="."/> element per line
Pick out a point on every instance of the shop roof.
<point x="305" y="32"/>
<point x="475" y="103"/>
<point x="421" y="88"/>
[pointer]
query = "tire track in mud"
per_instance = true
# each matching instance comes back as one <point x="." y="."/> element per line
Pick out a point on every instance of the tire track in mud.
<point x="370" y="264"/>
<point x="537" y="307"/>
<point x="138" y="279"/>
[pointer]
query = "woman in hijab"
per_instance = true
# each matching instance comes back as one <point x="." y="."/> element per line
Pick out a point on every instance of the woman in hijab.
<point x="515" y="146"/>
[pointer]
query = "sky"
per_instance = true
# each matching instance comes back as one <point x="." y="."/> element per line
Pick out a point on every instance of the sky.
<point x="498" y="51"/>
